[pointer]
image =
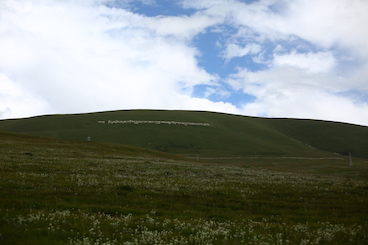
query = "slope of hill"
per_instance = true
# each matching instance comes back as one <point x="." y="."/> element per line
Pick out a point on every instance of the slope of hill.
<point x="79" y="192"/>
<point x="330" y="136"/>
<point x="206" y="134"/>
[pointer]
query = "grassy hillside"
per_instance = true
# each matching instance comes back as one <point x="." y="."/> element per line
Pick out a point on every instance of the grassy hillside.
<point x="79" y="192"/>
<point x="330" y="136"/>
<point x="224" y="135"/>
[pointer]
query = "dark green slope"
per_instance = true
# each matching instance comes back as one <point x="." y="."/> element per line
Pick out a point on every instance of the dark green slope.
<point x="330" y="136"/>
<point x="227" y="135"/>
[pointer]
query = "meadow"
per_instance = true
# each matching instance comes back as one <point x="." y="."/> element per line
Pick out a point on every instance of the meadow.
<point x="79" y="192"/>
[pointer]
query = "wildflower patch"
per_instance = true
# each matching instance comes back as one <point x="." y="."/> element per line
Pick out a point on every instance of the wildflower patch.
<point x="74" y="192"/>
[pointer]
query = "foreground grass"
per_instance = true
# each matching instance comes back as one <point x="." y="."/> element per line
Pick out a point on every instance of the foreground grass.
<point x="93" y="193"/>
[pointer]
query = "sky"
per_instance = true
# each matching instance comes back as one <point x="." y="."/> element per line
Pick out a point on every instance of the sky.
<point x="267" y="58"/>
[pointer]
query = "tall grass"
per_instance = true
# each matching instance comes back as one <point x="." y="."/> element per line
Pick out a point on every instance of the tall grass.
<point x="92" y="193"/>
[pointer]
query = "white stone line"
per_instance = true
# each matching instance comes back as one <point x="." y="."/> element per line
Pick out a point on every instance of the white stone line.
<point x="153" y="122"/>
<point x="257" y="157"/>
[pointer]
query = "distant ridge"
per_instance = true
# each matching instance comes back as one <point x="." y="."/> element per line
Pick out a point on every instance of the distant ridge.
<point x="208" y="134"/>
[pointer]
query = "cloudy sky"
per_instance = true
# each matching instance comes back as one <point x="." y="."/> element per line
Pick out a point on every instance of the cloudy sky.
<point x="269" y="58"/>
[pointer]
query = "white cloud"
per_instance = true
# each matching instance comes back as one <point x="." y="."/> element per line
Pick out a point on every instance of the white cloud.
<point x="201" y="104"/>
<point x="330" y="22"/>
<point x="306" y="80"/>
<point x="80" y="56"/>
<point x="17" y="102"/>
<point x="325" y="23"/>
<point x="233" y="50"/>
<point x="216" y="92"/>
<point x="286" y="91"/>
<point x="204" y="4"/>
<point x="185" y="27"/>
<point x="300" y="104"/>
<point x="312" y="62"/>
<point x="76" y="56"/>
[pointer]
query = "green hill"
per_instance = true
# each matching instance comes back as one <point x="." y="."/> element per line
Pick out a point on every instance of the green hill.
<point x="204" y="134"/>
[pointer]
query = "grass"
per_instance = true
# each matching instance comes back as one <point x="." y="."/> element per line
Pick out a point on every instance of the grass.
<point x="338" y="166"/>
<point x="73" y="192"/>
<point x="330" y="136"/>
<point x="227" y="135"/>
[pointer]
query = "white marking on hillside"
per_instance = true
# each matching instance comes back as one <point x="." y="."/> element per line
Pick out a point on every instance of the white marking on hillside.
<point x="258" y="157"/>
<point x="154" y="122"/>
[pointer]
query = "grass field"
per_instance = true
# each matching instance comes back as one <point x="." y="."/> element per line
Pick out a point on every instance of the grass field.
<point x="227" y="136"/>
<point x="79" y="192"/>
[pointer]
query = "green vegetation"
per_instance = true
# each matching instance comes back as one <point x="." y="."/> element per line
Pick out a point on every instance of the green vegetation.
<point x="80" y="192"/>
<point x="227" y="135"/>
<point x="330" y="136"/>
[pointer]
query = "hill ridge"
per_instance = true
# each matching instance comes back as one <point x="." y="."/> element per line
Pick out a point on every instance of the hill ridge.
<point x="220" y="134"/>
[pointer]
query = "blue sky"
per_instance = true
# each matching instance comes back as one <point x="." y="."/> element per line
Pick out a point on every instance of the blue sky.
<point x="272" y="58"/>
